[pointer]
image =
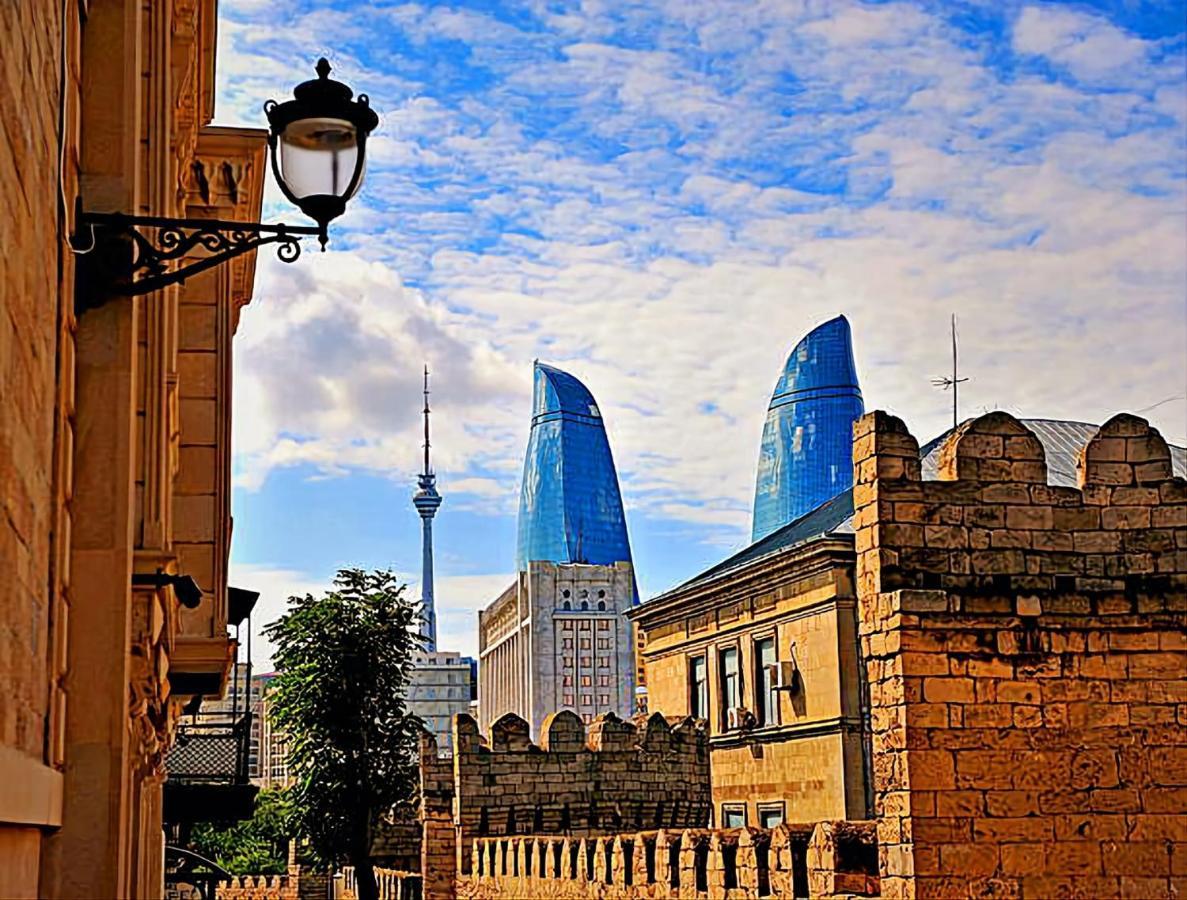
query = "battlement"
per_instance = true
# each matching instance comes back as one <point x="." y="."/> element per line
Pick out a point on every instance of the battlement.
<point x="991" y="525"/>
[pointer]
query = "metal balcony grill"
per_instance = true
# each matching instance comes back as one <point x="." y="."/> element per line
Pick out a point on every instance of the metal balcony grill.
<point x="211" y="750"/>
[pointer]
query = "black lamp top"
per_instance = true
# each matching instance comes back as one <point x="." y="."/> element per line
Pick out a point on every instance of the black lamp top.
<point x="322" y="97"/>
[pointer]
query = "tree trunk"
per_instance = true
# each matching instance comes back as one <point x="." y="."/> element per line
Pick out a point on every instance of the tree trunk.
<point x="366" y="887"/>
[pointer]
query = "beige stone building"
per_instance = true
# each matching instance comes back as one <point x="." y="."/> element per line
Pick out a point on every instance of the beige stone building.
<point x="763" y="648"/>
<point x="441" y="686"/>
<point x="558" y="638"/>
<point x="274" y="769"/>
<point x="114" y="433"/>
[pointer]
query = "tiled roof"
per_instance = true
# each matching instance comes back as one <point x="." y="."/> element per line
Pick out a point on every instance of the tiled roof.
<point x="1062" y="442"/>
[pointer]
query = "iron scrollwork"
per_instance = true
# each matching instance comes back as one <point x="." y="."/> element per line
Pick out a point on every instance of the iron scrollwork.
<point x="151" y="243"/>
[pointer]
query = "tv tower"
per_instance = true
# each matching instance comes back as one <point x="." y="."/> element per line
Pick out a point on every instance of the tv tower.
<point x="426" y="500"/>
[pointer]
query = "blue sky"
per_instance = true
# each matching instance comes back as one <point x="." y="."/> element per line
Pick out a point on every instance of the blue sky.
<point x="662" y="197"/>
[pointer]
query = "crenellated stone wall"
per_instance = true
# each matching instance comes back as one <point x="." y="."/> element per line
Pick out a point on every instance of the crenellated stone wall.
<point x="613" y="777"/>
<point x="1026" y="654"/>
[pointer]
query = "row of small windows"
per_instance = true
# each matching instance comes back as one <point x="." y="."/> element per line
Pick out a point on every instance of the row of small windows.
<point x="587" y="681"/>
<point x="583" y="625"/>
<point x="585" y="605"/>
<point x="586" y="662"/>
<point x="581" y="594"/>
<point x="603" y="643"/>
<point x="587" y="700"/>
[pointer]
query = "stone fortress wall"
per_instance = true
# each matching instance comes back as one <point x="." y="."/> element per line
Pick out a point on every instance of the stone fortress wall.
<point x="1026" y="653"/>
<point x="608" y="777"/>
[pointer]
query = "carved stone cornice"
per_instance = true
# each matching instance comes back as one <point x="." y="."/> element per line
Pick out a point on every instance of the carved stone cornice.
<point x="226" y="181"/>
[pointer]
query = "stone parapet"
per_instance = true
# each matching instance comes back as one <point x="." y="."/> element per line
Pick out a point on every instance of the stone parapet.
<point x="1026" y="647"/>
<point x="718" y="863"/>
<point x="392" y="884"/>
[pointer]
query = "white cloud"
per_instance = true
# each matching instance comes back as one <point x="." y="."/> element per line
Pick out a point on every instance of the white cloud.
<point x="1088" y="46"/>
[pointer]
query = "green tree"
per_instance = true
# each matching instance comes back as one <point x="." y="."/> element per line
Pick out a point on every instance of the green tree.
<point x="255" y="846"/>
<point x="344" y="661"/>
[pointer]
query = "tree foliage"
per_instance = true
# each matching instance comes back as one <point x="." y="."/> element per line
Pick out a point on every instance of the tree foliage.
<point x="344" y="663"/>
<point x="255" y="846"/>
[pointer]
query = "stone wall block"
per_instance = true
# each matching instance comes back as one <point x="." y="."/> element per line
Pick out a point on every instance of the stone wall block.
<point x="563" y="732"/>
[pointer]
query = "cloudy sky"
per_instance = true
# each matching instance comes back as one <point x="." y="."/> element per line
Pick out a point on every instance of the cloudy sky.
<point x="662" y="196"/>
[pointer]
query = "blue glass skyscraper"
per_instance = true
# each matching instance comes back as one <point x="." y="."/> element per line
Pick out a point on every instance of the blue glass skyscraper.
<point x="570" y="507"/>
<point x="806" y="456"/>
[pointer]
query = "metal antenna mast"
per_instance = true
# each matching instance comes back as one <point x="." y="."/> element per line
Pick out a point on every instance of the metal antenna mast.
<point x="426" y="412"/>
<point x="954" y="382"/>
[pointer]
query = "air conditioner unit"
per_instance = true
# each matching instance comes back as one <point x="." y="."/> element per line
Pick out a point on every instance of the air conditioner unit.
<point x="739" y="717"/>
<point x="785" y="675"/>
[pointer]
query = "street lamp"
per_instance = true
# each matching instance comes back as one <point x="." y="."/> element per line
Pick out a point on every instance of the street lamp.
<point x="317" y="142"/>
<point x="322" y="139"/>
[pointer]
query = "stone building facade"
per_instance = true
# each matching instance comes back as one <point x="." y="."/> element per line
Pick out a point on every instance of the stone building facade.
<point x="441" y="687"/>
<point x="114" y="450"/>
<point x="558" y="639"/>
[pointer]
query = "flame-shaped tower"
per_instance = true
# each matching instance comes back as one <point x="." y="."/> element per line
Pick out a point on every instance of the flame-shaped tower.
<point x="806" y="456"/>
<point x="570" y="507"/>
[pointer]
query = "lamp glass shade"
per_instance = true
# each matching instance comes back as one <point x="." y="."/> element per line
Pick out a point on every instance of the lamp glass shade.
<point x="318" y="157"/>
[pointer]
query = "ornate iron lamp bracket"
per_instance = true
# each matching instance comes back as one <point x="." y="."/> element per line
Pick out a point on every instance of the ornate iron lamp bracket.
<point x="128" y="261"/>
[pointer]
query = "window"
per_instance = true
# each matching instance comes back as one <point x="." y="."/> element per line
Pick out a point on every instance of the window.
<point x="731" y="683"/>
<point x="698" y="688"/>
<point x="604" y="699"/>
<point x="568" y="699"/>
<point x="733" y="815"/>
<point x="770" y="814"/>
<point x="586" y="662"/>
<point x="568" y="662"/>
<point x="584" y="625"/>
<point x="587" y="699"/>
<point x="603" y="680"/>
<point x="566" y="625"/>
<point x="585" y="681"/>
<point x="765" y="699"/>
<point x="568" y="681"/>
<point x="567" y="644"/>
<point x="603" y="662"/>
<point x="585" y="643"/>
<point x="603" y="643"/>
<point x="603" y="625"/>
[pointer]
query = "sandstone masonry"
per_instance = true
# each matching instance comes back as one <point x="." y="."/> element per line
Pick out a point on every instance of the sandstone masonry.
<point x="1026" y="658"/>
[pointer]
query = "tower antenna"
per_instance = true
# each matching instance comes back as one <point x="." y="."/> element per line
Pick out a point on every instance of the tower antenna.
<point x="426" y="412"/>
<point x="955" y="381"/>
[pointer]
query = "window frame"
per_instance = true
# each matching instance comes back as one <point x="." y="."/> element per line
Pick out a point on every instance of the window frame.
<point x="723" y="680"/>
<point x="772" y="806"/>
<point x="698" y="702"/>
<point x="733" y="807"/>
<point x="766" y="698"/>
